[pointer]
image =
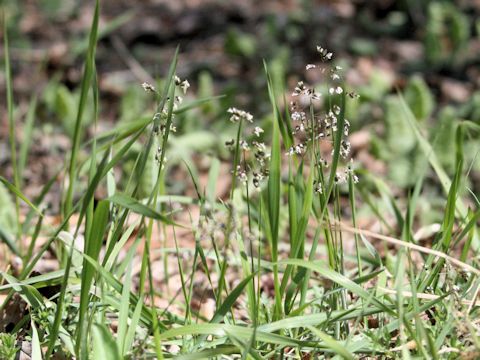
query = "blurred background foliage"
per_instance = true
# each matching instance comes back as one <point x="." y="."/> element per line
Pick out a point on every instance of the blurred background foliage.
<point x="428" y="51"/>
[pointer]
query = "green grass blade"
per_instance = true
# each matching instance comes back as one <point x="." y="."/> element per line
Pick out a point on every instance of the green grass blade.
<point x="19" y="194"/>
<point x="124" y="311"/>
<point x="332" y="344"/>
<point x="230" y="299"/>
<point x="273" y="194"/>
<point x="9" y="241"/>
<point x="36" y="348"/>
<point x="104" y="346"/>
<point x="138" y="208"/>
<point x="130" y="336"/>
<point x="337" y="278"/>
<point x="93" y="245"/>
<point x="85" y="86"/>
<point x="210" y="353"/>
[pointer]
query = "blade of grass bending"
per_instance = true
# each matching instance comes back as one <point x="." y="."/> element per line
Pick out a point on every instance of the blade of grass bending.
<point x="9" y="241"/>
<point x="244" y="349"/>
<point x="138" y="208"/>
<point x="18" y="194"/>
<point x="317" y="319"/>
<point x="28" y="293"/>
<point x="241" y="332"/>
<point x="393" y="326"/>
<point x="273" y="194"/>
<point x="93" y="246"/>
<point x="40" y="281"/>
<point x="77" y="134"/>
<point x="11" y="122"/>
<point x="39" y="199"/>
<point x="210" y="353"/>
<point x="339" y="279"/>
<point x="230" y="299"/>
<point x="422" y="249"/>
<point x="332" y="344"/>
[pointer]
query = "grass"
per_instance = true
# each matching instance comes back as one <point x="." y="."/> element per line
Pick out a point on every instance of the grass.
<point x="274" y="255"/>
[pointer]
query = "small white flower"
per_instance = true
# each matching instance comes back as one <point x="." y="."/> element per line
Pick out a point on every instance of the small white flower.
<point x="340" y="178"/>
<point x="184" y="86"/>
<point x="299" y="89"/>
<point x="324" y="53"/>
<point x="299" y="149"/>
<point x="260" y="146"/>
<point x="244" y="145"/>
<point x="310" y="66"/>
<point x="148" y="87"/>
<point x="335" y="90"/>
<point x="299" y="116"/>
<point x="238" y="115"/>
<point x="258" y="130"/>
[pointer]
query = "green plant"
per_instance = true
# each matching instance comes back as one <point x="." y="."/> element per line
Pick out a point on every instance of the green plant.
<point x="280" y="256"/>
<point x="8" y="348"/>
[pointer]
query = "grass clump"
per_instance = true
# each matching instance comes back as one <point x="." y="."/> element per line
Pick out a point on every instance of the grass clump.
<point x="8" y="348"/>
<point x="280" y="257"/>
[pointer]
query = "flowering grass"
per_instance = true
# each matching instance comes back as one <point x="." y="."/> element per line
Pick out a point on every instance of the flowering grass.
<point x="275" y="254"/>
